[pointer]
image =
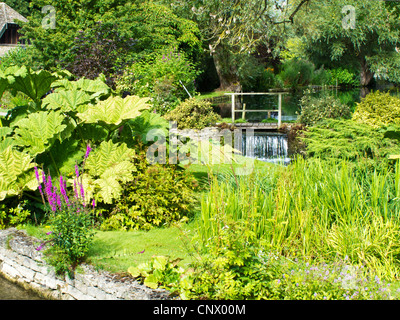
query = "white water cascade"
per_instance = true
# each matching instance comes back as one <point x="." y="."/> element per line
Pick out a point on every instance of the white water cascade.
<point x="266" y="146"/>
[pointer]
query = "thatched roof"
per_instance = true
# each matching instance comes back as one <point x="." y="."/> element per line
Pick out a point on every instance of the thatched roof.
<point x="8" y="15"/>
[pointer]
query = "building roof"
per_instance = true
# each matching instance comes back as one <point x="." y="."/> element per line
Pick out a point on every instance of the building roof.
<point x="8" y="15"/>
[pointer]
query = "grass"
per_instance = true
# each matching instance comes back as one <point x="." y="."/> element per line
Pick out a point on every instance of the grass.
<point x="116" y="251"/>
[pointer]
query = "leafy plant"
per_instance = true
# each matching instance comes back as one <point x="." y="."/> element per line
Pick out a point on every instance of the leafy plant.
<point x="378" y="109"/>
<point x="160" y="271"/>
<point x="100" y="49"/>
<point x="70" y="218"/>
<point x="106" y="169"/>
<point x="193" y="114"/>
<point x="164" y="77"/>
<point x="158" y="195"/>
<point x="315" y="109"/>
<point x="234" y="266"/>
<point x="343" y="76"/>
<point x="16" y="173"/>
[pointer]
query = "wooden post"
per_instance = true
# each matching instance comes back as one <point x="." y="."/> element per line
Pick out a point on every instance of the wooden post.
<point x="244" y="111"/>
<point x="233" y="108"/>
<point x="280" y="111"/>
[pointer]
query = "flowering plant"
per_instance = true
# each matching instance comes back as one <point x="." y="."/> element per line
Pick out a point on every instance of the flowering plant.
<point x="70" y="218"/>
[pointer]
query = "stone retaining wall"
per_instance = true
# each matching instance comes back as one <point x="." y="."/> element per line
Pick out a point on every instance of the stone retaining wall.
<point x="21" y="263"/>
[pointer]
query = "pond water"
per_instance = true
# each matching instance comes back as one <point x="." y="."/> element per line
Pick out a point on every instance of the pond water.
<point x="11" y="291"/>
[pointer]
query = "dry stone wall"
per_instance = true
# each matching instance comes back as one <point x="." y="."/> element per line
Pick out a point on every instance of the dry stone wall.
<point x="21" y="263"/>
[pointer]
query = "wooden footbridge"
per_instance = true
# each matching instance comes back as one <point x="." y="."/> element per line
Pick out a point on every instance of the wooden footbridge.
<point x="259" y="126"/>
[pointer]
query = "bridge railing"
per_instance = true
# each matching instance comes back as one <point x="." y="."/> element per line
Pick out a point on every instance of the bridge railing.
<point x="233" y="99"/>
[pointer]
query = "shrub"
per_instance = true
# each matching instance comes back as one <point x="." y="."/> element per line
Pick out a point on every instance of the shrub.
<point x="100" y="50"/>
<point x="193" y="114"/>
<point x="161" y="76"/>
<point x="20" y="56"/>
<point x="378" y="109"/>
<point x="343" y="77"/>
<point x="233" y="267"/>
<point x="14" y="215"/>
<point x="159" y="195"/>
<point x="347" y="139"/>
<point x="314" y="109"/>
<point x="297" y="72"/>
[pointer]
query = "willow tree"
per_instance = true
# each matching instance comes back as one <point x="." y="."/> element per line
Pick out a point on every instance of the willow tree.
<point x="233" y="28"/>
<point x="363" y="35"/>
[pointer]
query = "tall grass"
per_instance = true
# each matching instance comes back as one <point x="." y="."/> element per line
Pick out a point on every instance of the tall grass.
<point x="313" y="208"/>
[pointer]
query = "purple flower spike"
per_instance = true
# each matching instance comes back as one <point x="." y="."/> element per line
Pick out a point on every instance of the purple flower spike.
<point x="77" y="171"/>
<point x="94" y="203"/>
<point x="88" y="149"/>
<point x="37" y="174"/>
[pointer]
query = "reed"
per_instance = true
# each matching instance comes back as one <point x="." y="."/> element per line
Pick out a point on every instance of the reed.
<point x="313" y="208"/>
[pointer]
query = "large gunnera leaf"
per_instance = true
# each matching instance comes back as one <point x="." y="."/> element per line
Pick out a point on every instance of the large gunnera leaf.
<point x="108" y="166"/>
<point x="35" y="84"/>
<point x="66" y="101"/>
<point x="115" y="110"/>
<point x="16" y="173"/>
<point x="39" y="130"/>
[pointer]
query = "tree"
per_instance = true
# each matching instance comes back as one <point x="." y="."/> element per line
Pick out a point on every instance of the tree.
<point x="152" y="26"/>
<point x="360" y="34"/>
<point x="21" y="6"/>
<point x="233" y="29"/>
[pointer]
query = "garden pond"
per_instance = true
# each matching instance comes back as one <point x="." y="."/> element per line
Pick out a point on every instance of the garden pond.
<point x="12" y="291"/>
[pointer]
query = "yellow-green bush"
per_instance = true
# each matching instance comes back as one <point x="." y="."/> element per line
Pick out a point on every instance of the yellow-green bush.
<point x="378" y="109"/>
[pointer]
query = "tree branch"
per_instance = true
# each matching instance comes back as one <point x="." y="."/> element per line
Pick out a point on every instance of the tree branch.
<point x="294" y="12"/>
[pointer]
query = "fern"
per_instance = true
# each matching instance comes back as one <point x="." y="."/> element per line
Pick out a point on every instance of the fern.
<point x="39" y="130"/>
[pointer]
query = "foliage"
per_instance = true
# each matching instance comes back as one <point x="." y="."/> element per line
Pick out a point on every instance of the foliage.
<point x="55" y="128"/>
<point x="299" y="72"/>
<point x="163" y="77"/>
<point x="331" y="281"/>
<point x="114" y="112"/>
<point x="233" y="267"/>
<point x="366" y="46"/>
<point x="344" y="76"/>
<point x="71" y="221"/>
<point x="14" y="215"/>
<point x="152" y="25"/>
<point x="158" y="195"/>
<point x="347" y="139"/>
<point x="315" y="109"/>
<point x="107" y="167"/>
<point x="378" y="109"/>
<point x="100" y="50"/>
<point x="159" y="271"/>
<point x="193" y="114"/>
<point x="16" y="172"/>
<point x="147" y="123"/>
<point x="313" y="208"/>
<point x="18" y="57"/>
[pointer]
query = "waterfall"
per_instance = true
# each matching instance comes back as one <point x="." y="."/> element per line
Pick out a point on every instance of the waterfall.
<point x="265" y="146"/>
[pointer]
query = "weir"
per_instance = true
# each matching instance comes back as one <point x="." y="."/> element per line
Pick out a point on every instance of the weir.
<point x="266" y="146"/>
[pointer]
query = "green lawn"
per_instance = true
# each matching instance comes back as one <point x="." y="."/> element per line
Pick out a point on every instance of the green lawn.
<point x="116" y="251"/>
